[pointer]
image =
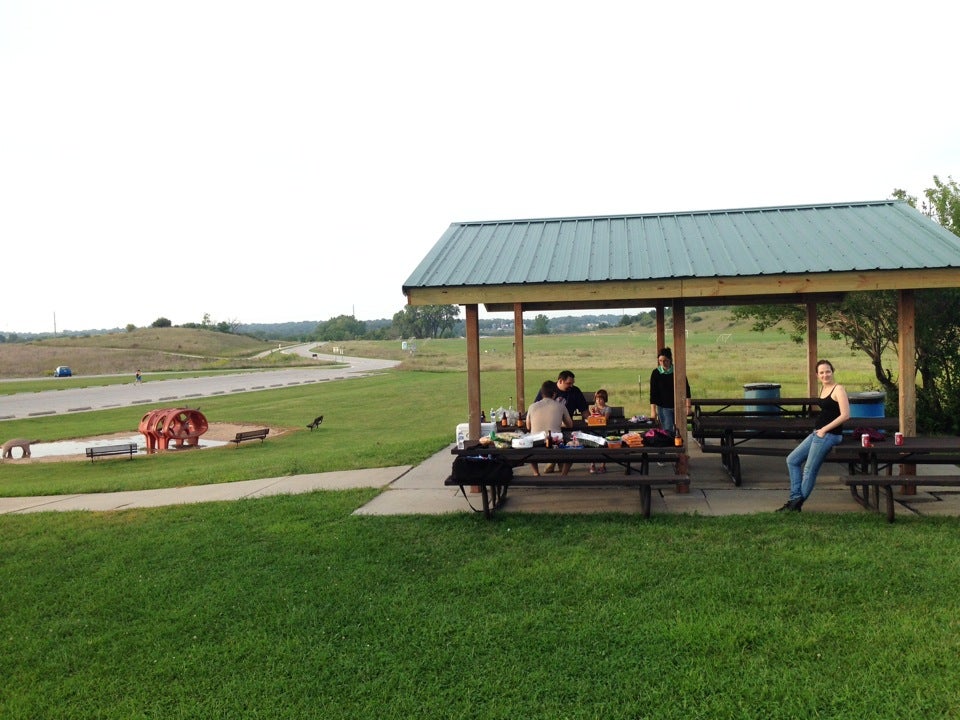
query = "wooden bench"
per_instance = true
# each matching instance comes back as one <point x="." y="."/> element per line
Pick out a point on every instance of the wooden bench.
<point x="886" y="482"/>
<point x="250" y="435"/>
<point x="107" y="450"/>
<point x="494" y="492"/>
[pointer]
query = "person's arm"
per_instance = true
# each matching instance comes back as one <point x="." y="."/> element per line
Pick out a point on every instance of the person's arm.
<point x="566" y="421"/>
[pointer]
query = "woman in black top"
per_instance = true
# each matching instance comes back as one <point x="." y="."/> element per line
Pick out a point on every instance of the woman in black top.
<point x="805" y="461"/>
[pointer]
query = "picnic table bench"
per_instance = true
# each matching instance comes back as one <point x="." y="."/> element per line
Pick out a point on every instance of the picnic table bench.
<point x="861" y="485"/>
<point x="493" y="491"/>
<point x="107" y="450"/>
<point x="250" y="435"/>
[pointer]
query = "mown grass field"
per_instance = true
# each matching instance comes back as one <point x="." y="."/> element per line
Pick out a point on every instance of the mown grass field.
<point x="292" y="607"/>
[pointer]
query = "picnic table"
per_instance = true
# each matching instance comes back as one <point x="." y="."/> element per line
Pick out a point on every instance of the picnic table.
<point x="493" y="491"/>
<point x="876" y="467"/>
<point x="735" y="422"/>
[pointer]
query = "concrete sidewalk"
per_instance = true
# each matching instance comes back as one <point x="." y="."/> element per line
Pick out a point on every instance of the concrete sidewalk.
<point x="419" y="490"/>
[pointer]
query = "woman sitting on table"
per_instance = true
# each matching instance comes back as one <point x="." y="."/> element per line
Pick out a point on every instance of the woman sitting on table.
<point x="548" y="415"/>
<point x="805" y="461"/>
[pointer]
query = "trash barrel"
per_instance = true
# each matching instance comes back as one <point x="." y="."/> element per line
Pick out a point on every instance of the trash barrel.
<point x="868" y="404"/>
<point x="761" y="391"/>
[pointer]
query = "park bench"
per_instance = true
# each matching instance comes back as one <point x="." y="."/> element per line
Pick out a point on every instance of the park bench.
<point x="107" y="450"/>
<point x="250" y="435"/>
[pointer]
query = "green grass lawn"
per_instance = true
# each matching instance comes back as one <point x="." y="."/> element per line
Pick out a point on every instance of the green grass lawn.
<point x="290" y="607"/>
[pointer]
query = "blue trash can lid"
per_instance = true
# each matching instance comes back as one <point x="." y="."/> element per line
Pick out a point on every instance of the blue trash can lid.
<point x="868" y="396"/>
<point x="761" y="386"/>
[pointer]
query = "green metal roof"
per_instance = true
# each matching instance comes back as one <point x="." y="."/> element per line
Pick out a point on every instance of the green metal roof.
<point x="757" y="243"/>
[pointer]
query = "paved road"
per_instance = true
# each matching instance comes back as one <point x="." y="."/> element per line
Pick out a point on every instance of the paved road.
<point x="186" y="390"/>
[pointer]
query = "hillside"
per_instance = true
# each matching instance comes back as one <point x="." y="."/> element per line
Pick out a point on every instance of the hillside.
<point x="150" y="349"/>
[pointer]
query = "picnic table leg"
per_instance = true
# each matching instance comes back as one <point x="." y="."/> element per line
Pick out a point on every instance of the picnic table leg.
<point x="645" y="500"/>
<point x="487" y="510"/>
<point x="888" y="490"/>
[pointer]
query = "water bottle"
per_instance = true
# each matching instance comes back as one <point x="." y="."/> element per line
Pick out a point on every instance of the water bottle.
<point x="460" y="440"/>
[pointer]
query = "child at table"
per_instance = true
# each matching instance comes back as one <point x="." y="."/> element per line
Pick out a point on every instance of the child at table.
<point x="599" y="409"/>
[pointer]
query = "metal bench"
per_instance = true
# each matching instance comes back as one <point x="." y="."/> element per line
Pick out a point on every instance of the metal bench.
<point x="250" y="435"/>
<point x="107" y="450"/>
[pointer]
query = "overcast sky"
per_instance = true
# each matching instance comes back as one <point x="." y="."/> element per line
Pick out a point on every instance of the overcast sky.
<point x="295" y="160"/>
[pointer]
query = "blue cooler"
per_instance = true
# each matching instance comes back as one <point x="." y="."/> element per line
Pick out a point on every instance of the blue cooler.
<point x="868" y="404"/>
<point x="761" y="391"/>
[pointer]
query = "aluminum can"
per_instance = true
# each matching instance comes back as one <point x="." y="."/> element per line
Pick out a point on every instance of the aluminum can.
<point x="898" y="438"/>
<point x="865" y="440"/>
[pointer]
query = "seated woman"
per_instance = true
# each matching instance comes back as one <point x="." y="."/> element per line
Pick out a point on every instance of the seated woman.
<point x="548" y="415"/>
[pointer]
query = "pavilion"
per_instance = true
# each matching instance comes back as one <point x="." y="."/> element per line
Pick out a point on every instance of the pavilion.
<point x="801" y="254"/>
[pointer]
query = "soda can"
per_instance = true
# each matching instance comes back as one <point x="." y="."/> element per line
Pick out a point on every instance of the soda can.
<point x="898" y="438"/>
<point x="865" y="440"/>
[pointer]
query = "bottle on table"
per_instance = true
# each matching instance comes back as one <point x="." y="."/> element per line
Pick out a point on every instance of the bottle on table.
<point x="461" y="440"/>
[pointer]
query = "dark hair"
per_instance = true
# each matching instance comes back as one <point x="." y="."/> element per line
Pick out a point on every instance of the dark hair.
<point x="825" y="362"/>
<point x="601" y="393"/>
<point x="548" y="389"/>
<point x="665" y="352"/>
<point x="565" y="375"/>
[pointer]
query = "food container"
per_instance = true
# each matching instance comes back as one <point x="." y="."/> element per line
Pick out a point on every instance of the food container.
<point x="596" y="420"/>
<point x="589" y="440"/>
<point x="522" y="443"/>
<point x="633" y="439"/>
<point x="537" y="439"/>
<point x="614" y="443"/>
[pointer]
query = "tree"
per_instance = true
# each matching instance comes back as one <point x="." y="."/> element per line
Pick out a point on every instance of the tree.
<point x="161" y="322"/>
<point x="342" y="327"/>
<point x="426" y="321"/>
<point x="541" y="325"/>
<point x="131" y="327"/>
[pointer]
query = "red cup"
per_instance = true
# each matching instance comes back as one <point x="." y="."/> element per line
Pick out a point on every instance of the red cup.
<point x="865" y="440"/>
<point x="898" y="438"/>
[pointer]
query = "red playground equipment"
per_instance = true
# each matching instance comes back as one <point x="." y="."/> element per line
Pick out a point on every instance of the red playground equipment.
<point x="181" y="426"/>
